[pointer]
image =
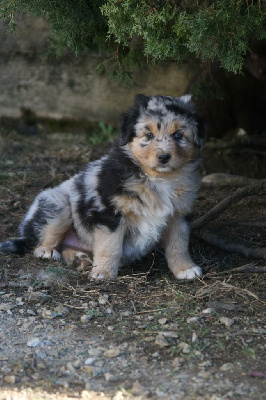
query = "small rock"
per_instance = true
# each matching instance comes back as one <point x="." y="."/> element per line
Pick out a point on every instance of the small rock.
<point x="208" y="311"/>
<point x="110" y="328"/>
<point x="30" y="312"/>
<point x="227" y="367"/>
<point x="204" y="374"/>
<point x="137" y="389"/>
<point x="110" y="377"/>
<point x="85" y="318"/>
<point x="103" y="299"/>
<point x="109" y="310"/>
<point x="111" y="353"/>
<point x="193" y="320"/>
<point x="93" y="304"/>
<point x="194" y="337"/>
<point x="161" y="341"/>
<point x="95" y="352"/>
<point x="177" y="362"/>
<point x="184" y="347"/>
<point x="90" y="361"/>
<point x="218" y="306"/>
<point x="226" y="321"/>
<point x="205" y="364"/>
<point x="49" y="314"/>
<point x="37" y="297"/>
<point x="6" y="306"/>
<point x="40" y="365"/>
<point x="35" y="342"/>
<point x="161" y="393"/>
<point x="87" y="368"/>
<point x="118" y="396"/>
<point x="149" y="339"/>
<point x="70" y="368"/>
<point x="126" y="313"/>
<point x="11" y="379"/>
<point x="162" y="321"/>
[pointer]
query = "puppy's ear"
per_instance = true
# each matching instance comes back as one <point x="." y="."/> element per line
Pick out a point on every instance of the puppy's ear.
<point x="129" y="119"/>
<point x="201" y="132"/>
<point x="141" y="101"/>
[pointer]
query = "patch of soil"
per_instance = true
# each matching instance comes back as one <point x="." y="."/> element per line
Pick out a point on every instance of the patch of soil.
<point x="146" y="335"/>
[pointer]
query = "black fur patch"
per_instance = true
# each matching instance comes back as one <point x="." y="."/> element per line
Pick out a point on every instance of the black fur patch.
<point x="14" y="246"/>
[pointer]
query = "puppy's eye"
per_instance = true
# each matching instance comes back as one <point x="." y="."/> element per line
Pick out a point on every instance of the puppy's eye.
<point x="149" y="135"/>
<point x="177" y="135"/>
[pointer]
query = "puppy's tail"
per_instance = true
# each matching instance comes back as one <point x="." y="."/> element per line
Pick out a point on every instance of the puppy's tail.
<point x="14" y="246"/>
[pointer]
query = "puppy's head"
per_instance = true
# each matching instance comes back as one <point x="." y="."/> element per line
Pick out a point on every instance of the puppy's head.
<point x="162" y="133"/>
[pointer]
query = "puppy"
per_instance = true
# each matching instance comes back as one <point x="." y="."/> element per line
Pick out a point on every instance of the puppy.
<point x="119" y="207"/>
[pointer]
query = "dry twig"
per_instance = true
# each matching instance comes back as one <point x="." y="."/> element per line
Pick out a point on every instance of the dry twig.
<point x="255" y="252"/>
<point x="252" y="190"/>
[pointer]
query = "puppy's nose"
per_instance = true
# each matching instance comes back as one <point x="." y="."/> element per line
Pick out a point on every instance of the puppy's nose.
<point x="164" y="157"/>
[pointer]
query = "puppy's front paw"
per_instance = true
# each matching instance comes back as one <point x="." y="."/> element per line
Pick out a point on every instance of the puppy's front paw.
<point x="102" y="273"/>
<point x="45" y="252"/>
<point x="189" y="273"/>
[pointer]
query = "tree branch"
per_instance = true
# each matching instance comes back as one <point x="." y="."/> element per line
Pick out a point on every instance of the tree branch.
<point x="257" y="189"/>
<point x="257" y="252"/>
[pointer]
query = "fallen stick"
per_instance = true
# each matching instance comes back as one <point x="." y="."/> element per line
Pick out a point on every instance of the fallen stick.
<point x="252" y="190"/>
<point x="257" y="252"/>
<point x="251" y="269"/>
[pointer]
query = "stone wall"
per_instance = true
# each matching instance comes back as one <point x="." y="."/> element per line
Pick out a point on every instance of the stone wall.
<point x="70" y="87"/>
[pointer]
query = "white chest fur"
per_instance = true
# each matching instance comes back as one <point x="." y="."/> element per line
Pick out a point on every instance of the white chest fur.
<point x="147" y="213"/>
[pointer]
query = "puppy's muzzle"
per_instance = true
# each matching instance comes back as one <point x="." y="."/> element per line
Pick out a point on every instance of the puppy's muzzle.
<point x="164" y="157"/>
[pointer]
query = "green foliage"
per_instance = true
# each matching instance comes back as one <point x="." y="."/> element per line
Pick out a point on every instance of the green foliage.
<point x="150" y="30"/>
<point x="104" y="133"/>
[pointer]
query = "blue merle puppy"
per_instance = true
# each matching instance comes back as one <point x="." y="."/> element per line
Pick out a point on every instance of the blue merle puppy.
<point x="119" y="207"/>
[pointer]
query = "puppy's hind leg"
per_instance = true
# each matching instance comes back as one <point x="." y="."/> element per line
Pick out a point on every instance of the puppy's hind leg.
<point x="46" y="223"/>
<point x="82" y="260"/>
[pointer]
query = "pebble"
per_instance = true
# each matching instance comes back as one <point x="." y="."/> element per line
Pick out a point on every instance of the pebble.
<point x="177" y="362"/>
<point x="90" y="361"/>
<point x="103" y="299"/>
<point x="95" y="352"/>
<point x="227" y="367"/>
<point x="49" y="314"/>
<point x="194" y="337"/>
<point x="118" y="396"/>
<point x="85" y="318"/>
<point x="161" y="393"/>
<point x="161" y="341"/>
<point x="110" y="377"/>
<point x="6" y="306"/>
<point x="208" y="311"/>
<point x="137" y="389"/>
<point x="70" y="368"/>
<point x="205" y="364"/>
<point x="111" y="353"/>
<point x="35" y="342"/>
<point x="126" y="313"/>
<point x="184" y="347"/>
<point x="227" y="321"/>
<point x="162" y="321"/>
<point x="193" y="320"/>
<point x="10" y="379"/>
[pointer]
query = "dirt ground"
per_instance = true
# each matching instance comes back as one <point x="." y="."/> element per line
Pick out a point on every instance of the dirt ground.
<point x="146" y="335"/>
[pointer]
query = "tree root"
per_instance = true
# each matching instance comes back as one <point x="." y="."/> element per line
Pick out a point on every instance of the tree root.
<point x="258" y="189"/>
<point x="255" y="252"/>
<point x="259" y="252"/>
<point x="249" y="268"/>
